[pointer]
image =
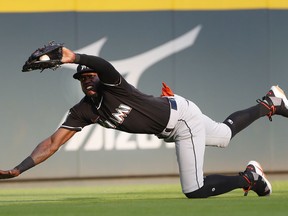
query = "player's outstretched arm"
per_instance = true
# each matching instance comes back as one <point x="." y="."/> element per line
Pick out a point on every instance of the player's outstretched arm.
<point x="43" y="151"/>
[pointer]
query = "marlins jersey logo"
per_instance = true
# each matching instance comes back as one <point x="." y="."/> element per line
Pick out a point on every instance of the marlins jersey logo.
<point x="118" y="117"/>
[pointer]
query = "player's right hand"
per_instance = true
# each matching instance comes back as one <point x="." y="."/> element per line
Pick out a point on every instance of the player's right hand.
<point x="9" y="173"/>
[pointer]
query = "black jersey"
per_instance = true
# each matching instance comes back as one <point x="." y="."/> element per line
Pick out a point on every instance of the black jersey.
<point x="118" y="105"/>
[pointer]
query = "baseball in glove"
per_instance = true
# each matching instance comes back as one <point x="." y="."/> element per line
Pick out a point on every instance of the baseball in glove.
<point x="45" y="57"/>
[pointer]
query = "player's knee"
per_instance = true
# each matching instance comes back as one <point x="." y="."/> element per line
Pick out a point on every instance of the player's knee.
<point x="224" y="144"/>
<point x="200" y="193"/>
<point x="218" y="142"/>
<point x="220" y="137"/>
<point x="195" y="195"/>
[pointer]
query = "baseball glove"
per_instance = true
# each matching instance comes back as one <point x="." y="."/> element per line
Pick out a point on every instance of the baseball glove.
<point x="48" y="56"/>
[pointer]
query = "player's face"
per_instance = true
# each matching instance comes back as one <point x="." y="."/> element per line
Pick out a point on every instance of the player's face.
<point x="89" y="82"/>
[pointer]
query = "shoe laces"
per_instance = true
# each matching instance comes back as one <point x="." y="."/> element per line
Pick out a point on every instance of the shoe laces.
<point x="246" y="189"/>
<point x="271" y="108"/>
<point x="249" y="177"/>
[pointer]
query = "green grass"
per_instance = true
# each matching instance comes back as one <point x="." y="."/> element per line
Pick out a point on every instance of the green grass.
<point x="137" y="200"/>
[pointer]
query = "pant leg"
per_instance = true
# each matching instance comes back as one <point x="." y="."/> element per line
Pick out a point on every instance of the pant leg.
<point x="217" y="134"/>
<point x="190" y="147"/>
<point x="192" y="132"/>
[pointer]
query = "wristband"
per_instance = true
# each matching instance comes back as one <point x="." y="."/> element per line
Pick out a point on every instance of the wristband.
<point x="25" y="164"/>
<point x="77" y="58"/>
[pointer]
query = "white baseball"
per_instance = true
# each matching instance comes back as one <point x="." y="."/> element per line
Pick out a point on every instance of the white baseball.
<point x="44" y="58"/>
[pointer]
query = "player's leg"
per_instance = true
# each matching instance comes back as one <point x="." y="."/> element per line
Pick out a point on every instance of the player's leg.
<point x="190" y="139"/>
<point x="239" y="120"/>
<point x="219" y="134"/>
<point x="190" y="156"/>
<point x="190" y="148"/>
<point x="253" y="178"/>
<point x="218" y="184"/>
<point x="274" y="102"/>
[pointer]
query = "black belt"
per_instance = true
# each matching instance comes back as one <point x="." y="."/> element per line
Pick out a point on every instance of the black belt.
<point x="173" y="103"/>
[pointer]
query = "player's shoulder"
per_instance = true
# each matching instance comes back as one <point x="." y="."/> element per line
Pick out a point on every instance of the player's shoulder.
<point x="85" y="110"/>
<point x="84" y="101"/>
<point x="82" y="105"/>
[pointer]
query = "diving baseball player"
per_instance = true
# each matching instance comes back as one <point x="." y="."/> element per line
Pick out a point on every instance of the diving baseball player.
<point x="113" y="103"/>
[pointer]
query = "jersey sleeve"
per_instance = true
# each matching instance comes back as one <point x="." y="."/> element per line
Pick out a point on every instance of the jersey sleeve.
<point x="105" y="70"/>
<point x="80" y="116"/>
<point x="73" y="122"/>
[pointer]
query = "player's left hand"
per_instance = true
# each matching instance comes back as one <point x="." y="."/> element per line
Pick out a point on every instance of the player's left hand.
<point x="9" y="173"/>
<point x="68" y="56"/>
<point x="48" y="56"/>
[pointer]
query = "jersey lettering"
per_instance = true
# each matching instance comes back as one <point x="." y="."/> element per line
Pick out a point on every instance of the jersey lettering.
<point x="121" y="114"/>
<point x="109" y="124"/>
<point x="106" y="124"/>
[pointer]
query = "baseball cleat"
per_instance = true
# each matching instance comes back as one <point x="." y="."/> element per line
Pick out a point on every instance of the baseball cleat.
<point x="256" y="179"/>
<point x="275" y="100"/>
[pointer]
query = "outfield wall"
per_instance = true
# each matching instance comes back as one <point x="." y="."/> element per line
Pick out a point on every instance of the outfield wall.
<point x="222" y="56"/>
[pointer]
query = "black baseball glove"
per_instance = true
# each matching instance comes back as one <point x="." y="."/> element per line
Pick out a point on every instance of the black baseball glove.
<point x="48" y="56"/>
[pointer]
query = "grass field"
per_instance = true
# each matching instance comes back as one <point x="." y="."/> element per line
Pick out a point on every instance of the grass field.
<point x="136" y="200"/>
